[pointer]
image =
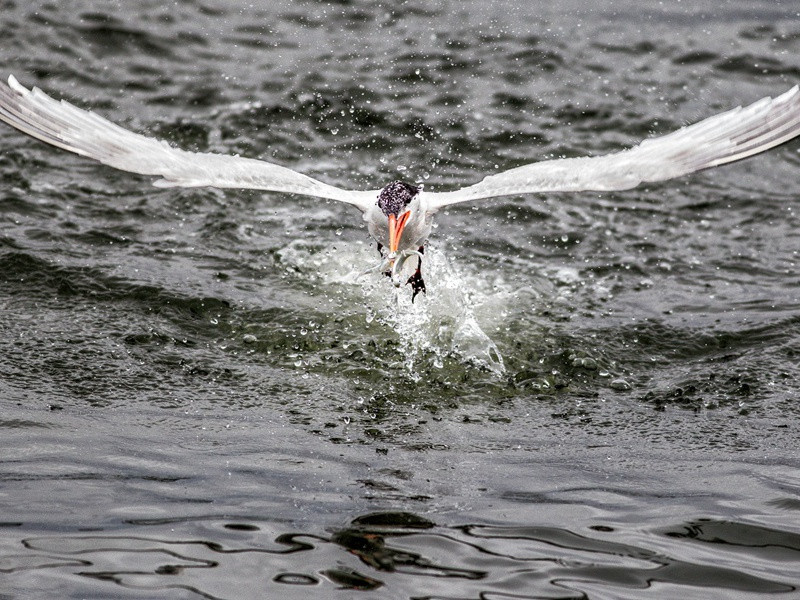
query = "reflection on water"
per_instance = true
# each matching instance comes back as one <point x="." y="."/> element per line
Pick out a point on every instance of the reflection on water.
<point x="409" y="556"/>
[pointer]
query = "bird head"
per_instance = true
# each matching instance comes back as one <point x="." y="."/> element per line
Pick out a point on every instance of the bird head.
<point x="396" y="200"/>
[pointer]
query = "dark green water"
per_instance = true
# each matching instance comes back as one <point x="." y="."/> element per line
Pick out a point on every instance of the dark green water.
<point x="597" y="398"/>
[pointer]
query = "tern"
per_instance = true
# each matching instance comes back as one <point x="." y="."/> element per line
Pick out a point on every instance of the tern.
<point x="399" y="216"/>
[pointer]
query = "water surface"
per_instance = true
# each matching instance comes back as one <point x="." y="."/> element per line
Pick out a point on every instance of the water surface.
<point x="595" y="399"/>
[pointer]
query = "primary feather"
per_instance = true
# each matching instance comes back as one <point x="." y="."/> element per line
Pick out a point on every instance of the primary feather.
<point x="87" y="134"/>
<point x="717" y="140"/>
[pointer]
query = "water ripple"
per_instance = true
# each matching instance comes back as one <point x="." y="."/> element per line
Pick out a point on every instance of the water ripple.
<point x="407" y="555"/>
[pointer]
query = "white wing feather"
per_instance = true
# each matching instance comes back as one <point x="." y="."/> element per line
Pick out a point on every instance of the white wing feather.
<point x="717" y="140"/>
<point x="87" y="134"/>
<point x="723" y="138"/>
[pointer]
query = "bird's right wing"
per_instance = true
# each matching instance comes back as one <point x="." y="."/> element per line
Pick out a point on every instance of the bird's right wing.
<point x="87" y="134"/>
<point x="715" y="141"/>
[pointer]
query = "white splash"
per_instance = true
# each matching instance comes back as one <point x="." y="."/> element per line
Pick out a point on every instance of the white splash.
<point x="449" y="321"/>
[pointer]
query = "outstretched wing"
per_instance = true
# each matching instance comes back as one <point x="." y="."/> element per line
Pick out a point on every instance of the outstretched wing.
<point x="82" y="132"/>
<point x="720" y="139"/>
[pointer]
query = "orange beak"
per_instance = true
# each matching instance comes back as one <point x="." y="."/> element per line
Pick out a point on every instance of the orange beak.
<point x="396" y="227"/>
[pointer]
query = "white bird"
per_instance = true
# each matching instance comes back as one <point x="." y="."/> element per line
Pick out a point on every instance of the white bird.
<point x="399" y="216"/>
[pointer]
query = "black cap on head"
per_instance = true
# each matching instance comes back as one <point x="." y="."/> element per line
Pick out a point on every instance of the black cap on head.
<point x="395" y="197"/>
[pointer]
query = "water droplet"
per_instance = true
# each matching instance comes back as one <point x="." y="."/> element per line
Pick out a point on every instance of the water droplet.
<point x="249" y="338"/>
<point x="620" y="385"/>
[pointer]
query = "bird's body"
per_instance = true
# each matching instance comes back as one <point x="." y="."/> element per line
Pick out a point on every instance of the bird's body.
<point x="400" y="221"/>
<point x="399" y="216"/>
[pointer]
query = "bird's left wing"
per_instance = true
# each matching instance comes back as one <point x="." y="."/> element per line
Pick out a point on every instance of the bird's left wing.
<point x="87" y="134"/>
<point x="717" y="140"/>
